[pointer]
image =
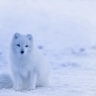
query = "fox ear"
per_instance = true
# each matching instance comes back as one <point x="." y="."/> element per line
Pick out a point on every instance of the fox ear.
<point x="30" y="37"/>
<point x="16" y="35"/>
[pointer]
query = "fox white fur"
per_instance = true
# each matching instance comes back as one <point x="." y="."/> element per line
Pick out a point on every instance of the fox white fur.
<point x="29" y="68"/>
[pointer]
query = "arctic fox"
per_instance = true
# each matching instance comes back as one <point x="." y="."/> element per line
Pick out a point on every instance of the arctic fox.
<point x="29" y="67"/>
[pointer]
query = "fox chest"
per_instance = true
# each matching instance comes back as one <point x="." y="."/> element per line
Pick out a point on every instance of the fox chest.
<point x="23" y="68"/>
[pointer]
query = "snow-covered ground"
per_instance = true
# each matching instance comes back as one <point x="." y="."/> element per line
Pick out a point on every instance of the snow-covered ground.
<point x="65" y="32"/>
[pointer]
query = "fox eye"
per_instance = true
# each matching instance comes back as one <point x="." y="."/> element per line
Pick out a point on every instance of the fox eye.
<point x="18" y="45"/>
<point x="26" y="46"/>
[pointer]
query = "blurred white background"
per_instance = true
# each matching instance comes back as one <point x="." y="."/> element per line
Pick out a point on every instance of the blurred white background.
<point x="70" y="22"/>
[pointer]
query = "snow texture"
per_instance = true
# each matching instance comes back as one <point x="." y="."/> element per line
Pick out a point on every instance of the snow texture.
<point x="65" y="32"/>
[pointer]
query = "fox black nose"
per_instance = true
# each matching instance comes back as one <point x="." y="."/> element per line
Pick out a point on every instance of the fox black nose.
<point x="22" y="52"/>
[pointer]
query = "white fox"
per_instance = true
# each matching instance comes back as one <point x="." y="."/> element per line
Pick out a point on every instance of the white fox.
<point x="29" y="67"/>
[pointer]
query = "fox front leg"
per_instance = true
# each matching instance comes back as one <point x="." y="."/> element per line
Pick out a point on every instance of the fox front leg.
<point x="33" y="80"/>
<point x="18" y="83"/>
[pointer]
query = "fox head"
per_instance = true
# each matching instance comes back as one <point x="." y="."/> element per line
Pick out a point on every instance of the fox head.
<point x="22" y="44"/>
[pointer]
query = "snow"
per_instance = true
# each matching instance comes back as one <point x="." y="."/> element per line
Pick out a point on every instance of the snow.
<point x="64" y="31"/>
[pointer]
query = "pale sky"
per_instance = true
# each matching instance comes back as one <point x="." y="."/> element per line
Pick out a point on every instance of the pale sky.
<point x="77" y="18"/>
